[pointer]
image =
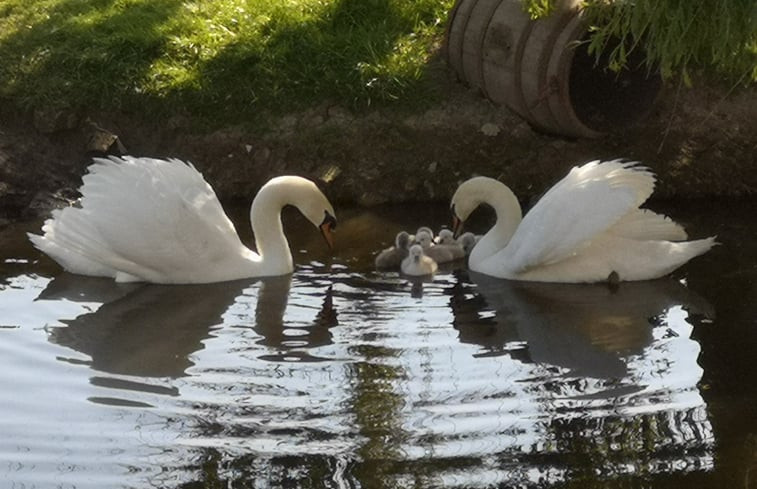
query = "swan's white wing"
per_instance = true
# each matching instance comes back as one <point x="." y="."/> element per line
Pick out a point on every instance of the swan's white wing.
<point x="588" y="201"/>
<point x="69" y="245"/>
<point x="144" y="217"/>
<point x="160" y="214"/>
<point x="644" y="224"/>
<point x="630" y="259"/>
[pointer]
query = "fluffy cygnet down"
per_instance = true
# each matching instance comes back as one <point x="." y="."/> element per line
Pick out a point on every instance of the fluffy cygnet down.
<point x="424" y="236"/>
<point x="441" y="253"/>
<point x="445" y="237"/>
<point x="392" y="257"/>
<point x="417" y="263"/>
<point x="468" y="241"/>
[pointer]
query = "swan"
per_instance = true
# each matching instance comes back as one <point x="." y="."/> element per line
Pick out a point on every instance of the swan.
<point x="153" y="220"/>
<point x="417" y="263"/>
<point x="392" y="257"/>
<point x="587" y="228"/>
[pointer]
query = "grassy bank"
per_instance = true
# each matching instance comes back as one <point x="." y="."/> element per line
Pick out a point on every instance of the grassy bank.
<point x="231" y="61"/>
<point x="226" y="60"/>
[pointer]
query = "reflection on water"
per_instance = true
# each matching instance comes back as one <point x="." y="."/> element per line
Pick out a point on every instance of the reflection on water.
<point x="588" y="329"/>
<point x="338" y="376"/>
<point x="587" y="371"/>
<point x="147" y="331"/>
<point x="152" y="330"/>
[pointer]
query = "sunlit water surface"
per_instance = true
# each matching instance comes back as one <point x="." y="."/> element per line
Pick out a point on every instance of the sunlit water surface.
<point x="339" y="376"/>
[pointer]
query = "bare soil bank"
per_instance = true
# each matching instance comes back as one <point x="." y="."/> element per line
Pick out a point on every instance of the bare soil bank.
<point x="701" y="143"/>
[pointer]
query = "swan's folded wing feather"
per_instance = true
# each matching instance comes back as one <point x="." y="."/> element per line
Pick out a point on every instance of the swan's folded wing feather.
<point x="644" y="224"/>
<point x="588" y="201"/>
<point x="159" y="214"/>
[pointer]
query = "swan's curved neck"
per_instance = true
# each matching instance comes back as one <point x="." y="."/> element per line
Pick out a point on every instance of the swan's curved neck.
<point x="507" y="208"/>
<point x="509" y="216"/>
<point x="270" y="241"/>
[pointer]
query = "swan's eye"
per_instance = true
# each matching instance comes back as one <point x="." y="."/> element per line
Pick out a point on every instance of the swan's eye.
<point x="328" y="220"/>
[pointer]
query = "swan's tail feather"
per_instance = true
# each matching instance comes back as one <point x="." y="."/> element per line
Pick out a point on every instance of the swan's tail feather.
<point x="647" y="260"/>
<point x="698" y="247"/>
<point x="71" y="239"/>
<point x="67" y="247"/>
<point x="681" y="252"/>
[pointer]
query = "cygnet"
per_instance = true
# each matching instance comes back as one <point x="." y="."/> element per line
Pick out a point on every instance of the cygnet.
<point x="421" y="230"/>
<point x="439" y="253"/>
<point x="425" y="238"/>
<point x="446" y="237"/>
<point x="392" y="257"/>
<point x="417" y="263"/>
<point x="468" y="241"/>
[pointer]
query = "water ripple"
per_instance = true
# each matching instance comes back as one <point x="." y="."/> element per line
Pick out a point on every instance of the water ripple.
<point x="341" y="378"/>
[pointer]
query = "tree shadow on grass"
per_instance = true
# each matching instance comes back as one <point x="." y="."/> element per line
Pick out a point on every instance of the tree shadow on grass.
<point x="84" y="54"/>
<point x="339" y="56"/>
<point x="102" y="54"/>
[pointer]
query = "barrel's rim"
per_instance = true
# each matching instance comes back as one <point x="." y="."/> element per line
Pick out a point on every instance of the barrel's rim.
<point x="576" y="29"/>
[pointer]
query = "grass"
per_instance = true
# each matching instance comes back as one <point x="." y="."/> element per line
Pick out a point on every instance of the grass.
<point x="225" y="60"/>
<point x="232" y="61"/>
<point x="717" y="37"/>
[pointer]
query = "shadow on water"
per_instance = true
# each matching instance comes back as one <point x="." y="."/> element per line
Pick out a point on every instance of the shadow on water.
<point x="587" y="329"/>
<point x="147" y="331"/>
<point x="153" y="330"/>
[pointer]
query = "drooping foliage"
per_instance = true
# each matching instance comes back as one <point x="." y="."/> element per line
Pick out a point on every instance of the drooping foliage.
<point x="678" y="36"/>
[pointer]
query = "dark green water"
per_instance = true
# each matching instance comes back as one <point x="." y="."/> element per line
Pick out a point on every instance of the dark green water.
<point x="342" y="377"/>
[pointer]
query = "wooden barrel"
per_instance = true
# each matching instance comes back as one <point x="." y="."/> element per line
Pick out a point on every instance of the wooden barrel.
<point x="541" y="68"/>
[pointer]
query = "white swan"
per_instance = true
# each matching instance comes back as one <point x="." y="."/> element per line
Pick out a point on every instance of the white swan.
<point x="151" y="220"/>
<point x="417" y="264"/>
<point x="587" y="228"/>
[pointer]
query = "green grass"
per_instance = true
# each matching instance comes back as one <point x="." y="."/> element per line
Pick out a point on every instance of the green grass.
<point x="233" y="61"/>
<point x="226" y="61"/>
<point x="714" y="37"/>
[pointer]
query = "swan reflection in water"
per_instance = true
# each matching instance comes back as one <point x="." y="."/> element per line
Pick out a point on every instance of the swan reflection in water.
<point x="152" y="330"/>
<point x="569" y="370"/>
<point x="589" y="329"/>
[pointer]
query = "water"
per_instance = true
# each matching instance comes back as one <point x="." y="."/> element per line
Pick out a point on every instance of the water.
<point x="342" y="377"/>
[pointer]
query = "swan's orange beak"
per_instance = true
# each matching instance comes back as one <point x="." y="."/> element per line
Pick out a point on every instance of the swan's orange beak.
<point x="327" y="226"/>
<point x="457" y="226"/>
